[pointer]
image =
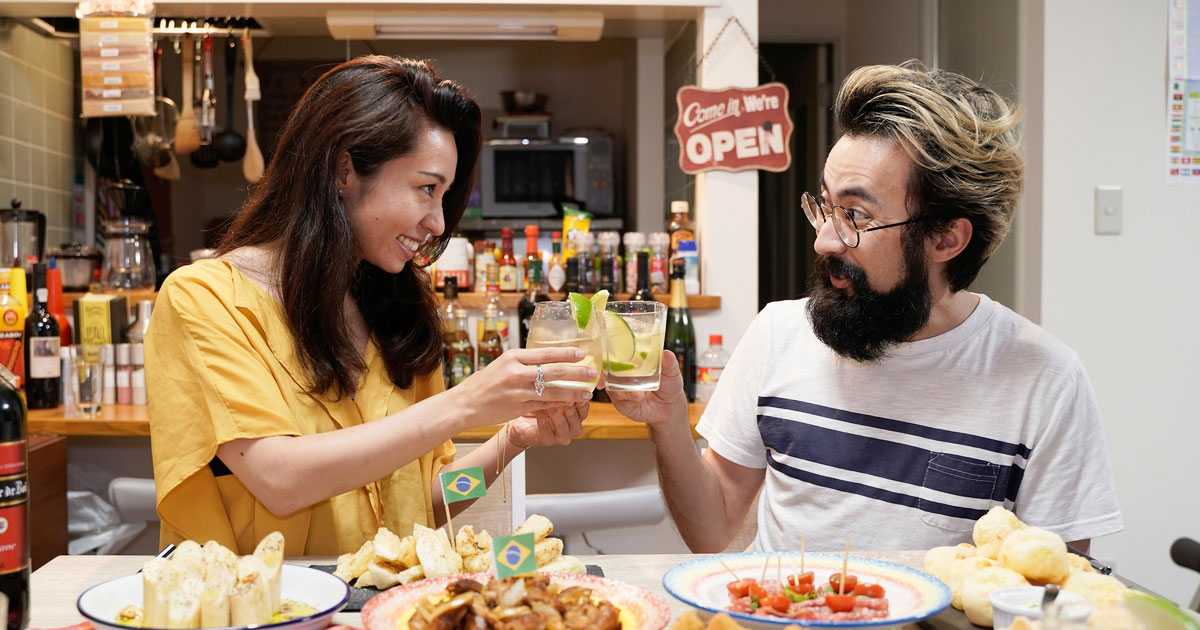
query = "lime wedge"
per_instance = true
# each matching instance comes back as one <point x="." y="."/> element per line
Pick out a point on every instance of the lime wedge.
<point x="582" y="307"/>
<point x="1158" y="613"/>
<point x="617" y="366"/>
<point x="599" y="299"/>
<point x="621" y="345"/>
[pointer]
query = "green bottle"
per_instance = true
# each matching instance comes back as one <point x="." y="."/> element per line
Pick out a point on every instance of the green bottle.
<point x="681" y="337"/>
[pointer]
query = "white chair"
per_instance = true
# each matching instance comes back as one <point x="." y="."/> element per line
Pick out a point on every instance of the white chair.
<point x="578" y="512"/>
<point x="133" y="498"/>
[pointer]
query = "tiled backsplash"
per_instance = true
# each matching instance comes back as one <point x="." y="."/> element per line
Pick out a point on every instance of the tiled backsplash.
<point x="37" y="125"/>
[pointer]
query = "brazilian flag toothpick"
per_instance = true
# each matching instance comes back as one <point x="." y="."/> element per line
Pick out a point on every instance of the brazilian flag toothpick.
<point x="514" y="555"/>
<point x="461" y="485"/>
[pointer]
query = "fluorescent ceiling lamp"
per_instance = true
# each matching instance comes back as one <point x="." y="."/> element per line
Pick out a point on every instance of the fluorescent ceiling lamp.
<point x="551" y="25"/>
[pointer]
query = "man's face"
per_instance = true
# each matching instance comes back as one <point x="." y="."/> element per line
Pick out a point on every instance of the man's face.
<point x="869" y="298"/>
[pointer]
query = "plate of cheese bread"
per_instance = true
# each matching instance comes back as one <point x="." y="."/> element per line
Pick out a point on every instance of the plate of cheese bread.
<point x="209" y="586"/>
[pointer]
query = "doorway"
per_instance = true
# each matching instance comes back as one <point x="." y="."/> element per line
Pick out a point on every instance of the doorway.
<point x="785" y="237"/>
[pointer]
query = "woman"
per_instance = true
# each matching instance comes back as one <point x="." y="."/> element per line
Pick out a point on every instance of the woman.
<point x="295" y="381"/>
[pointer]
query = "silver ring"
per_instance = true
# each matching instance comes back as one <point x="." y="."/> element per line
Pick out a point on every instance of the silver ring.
<point x="539" y="382"/>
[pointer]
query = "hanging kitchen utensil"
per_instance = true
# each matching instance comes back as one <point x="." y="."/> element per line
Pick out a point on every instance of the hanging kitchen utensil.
<point x="229" y="144"/>
<point x="150" y="145"/>
<point x="187" y="130"/>
<point x="206" y="155"/>
<point x="252" y="164"/>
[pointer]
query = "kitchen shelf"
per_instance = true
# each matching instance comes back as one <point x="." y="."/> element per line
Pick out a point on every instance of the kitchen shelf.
<point x="132" y="296"/>
<point x="476" y="299"/>
<point x="604" y="422"/>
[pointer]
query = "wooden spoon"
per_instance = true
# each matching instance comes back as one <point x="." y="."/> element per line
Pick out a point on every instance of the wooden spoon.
<point x="187" y="130"/>
<point x="252" y="163"/>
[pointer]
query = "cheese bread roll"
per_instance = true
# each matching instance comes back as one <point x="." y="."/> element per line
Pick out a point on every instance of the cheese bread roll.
<point x="1096" y="587"/>
<point x="978" y="586"/>
<point x="250" y="598"/>
<point x="939" y="559"/>
<point x="959" y="570"/>
<point x="992" y="528"/>
<point x="1038" y="554"/>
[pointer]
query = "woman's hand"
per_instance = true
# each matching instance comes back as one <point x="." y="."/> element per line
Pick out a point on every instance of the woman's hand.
<point x="505" y="388"/>
<point x="549" y="427"/>
<point x="655" y="408"/>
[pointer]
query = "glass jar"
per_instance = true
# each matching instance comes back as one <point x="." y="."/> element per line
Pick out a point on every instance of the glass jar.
<point x="128" y="261"/>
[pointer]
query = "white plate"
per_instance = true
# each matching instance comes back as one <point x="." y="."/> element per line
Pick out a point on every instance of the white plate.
<point x="912" y="595"/>
<point x="646" y="610"/>
<point x="321" y="590"/>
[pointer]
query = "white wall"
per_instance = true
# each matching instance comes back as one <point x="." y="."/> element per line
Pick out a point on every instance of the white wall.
<point x="1126" y="303"/>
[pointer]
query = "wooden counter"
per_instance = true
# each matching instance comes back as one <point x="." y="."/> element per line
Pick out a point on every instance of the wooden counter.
<point x="467" y="300"/>
<point x="603" y="423"/>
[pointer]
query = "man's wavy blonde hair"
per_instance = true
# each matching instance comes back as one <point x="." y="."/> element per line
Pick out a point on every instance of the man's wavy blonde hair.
<point x="962" y="138"/>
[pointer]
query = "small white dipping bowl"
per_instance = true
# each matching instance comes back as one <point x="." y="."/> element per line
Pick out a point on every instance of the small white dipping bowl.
<point x="1026" y="601"/>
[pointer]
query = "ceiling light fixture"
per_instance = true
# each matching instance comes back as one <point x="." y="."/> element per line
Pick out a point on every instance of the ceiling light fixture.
<point x="554" y="25"/>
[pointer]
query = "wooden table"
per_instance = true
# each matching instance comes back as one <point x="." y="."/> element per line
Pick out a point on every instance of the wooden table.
<point x="56" y="586"/>
<point x="603" y="423"/>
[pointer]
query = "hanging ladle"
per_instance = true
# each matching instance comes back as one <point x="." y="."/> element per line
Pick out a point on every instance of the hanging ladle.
<point x="229" y="144"/>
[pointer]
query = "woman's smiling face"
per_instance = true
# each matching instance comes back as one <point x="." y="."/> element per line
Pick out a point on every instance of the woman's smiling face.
<point x="396" y="211"/>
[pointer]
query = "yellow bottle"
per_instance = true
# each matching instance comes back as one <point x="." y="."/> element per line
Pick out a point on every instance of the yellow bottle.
<point x="13" y="309"/>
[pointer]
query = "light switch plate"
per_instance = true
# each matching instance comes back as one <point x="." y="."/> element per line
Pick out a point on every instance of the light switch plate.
<point x="1108" y="210"/>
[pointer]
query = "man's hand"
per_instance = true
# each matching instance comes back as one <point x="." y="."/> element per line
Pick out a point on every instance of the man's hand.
<point x="655" y="408"/>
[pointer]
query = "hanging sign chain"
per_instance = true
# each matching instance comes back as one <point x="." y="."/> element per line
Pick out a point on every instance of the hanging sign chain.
<point x="733" y="20"/>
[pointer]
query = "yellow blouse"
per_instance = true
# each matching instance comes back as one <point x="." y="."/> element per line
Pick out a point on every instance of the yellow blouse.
<point x="221" y="364"/>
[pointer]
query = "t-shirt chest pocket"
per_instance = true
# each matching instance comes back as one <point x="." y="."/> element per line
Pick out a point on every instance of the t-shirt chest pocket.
<point x="955" y="490"/>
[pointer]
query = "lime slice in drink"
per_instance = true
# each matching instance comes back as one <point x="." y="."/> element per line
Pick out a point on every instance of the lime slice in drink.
<point x="582" y="307"/>
<point x="617" y="366"/>
<point x="621" y="345"/>
<point x="599" y="299"/>
<point x="1158" y="613"/>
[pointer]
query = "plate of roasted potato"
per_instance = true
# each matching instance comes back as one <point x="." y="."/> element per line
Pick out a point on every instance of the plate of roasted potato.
<point x="209" y="586"/>
<point x="388" y="560"/>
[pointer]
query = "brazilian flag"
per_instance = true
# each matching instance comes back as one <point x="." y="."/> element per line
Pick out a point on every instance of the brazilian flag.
<point x="460" y="485"/>
<point x="514" y="555"/>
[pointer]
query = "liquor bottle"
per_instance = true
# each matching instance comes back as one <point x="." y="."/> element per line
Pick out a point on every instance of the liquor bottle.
<point x="529" y="301"/>
<point x="572" y="282"/>
<point x="531" y="253"/>
<point x="12" y="322"/>
<point x="509" y="280"/>
<point x="643" y="278"/>
<point x="14" y="486"/>
<point x="493" y="301"/>
<point x="610" y="262"/>
<point x="450" y="297"/>
<point x="43" y="368"/>
<point x="680" y="228"/>
<point x="489" y="347"/>
<point x="556" y="274"/>
<point x="54" y="285"/>
<point x="681" y="337"/>
<point x="711" y="364"/>
<point x="634" y="243"/>
<point x="460" y="354"/>
<point x="660" y="245"/>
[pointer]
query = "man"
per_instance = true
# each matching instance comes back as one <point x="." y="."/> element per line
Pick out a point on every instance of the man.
<point x="893" y="406"/>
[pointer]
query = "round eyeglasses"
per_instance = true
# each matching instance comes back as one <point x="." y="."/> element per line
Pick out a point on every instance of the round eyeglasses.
<point x="817" y="208"/>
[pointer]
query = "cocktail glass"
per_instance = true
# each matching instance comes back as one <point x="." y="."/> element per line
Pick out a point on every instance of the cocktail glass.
<point x="634" y="345"/>
<point x="557" y="325"/>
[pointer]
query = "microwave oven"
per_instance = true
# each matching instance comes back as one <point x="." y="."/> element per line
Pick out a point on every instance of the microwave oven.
<point x="525" y="177"/>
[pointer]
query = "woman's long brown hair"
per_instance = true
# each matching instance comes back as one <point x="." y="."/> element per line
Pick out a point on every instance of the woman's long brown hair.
<point x="372" y="108"/>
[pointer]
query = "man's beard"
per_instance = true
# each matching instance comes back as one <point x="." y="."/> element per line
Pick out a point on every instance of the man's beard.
<point x="864" y="325"/>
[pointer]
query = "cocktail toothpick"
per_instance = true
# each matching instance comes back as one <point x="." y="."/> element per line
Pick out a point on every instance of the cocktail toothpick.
<point x="845" y="562"/>
<point x="735" y="577"/>
<point x="802" y="552"/>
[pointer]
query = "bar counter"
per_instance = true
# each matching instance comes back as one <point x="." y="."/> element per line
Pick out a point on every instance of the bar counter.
<point x="603" y="423"/>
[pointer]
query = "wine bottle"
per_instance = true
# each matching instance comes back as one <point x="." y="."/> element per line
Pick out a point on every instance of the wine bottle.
<point x="643" y="278"/>
<point x="43" y="366"/>
<point x="529" y="301"/>
<point x="14" y="509"/>
<point x="681" y="337"/>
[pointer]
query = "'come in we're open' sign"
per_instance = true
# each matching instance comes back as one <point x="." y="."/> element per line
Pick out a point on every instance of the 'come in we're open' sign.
<point x="734" y="129"/>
